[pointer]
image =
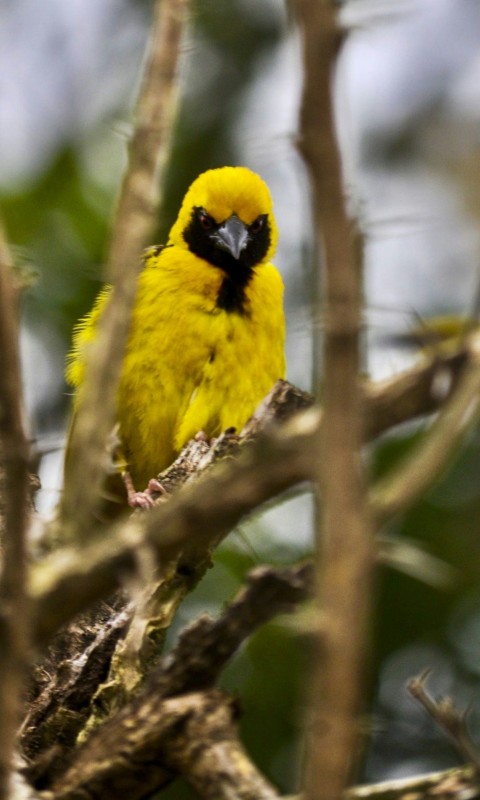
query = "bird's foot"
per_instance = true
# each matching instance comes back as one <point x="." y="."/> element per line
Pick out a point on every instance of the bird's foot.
<point x="145" y="499"/>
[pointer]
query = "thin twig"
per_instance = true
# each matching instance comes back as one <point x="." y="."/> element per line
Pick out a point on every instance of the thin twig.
<point x="345" y="543"/>
<point x="14" y="633"/>
<point x="134" y="224"/>
<point x="451" y="721"/>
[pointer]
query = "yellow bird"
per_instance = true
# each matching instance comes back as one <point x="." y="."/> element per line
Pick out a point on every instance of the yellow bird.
<point x="206" y="342"/>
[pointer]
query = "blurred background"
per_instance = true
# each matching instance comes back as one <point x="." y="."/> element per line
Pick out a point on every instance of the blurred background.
<point x="407" y="90"/>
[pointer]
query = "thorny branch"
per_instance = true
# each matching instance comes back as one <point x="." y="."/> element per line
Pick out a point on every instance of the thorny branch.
<point x="449" y="720"/>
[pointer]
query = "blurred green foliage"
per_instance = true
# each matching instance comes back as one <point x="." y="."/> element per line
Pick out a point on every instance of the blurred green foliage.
<point x="416" y="616"/>
<point x="62" y="233"/>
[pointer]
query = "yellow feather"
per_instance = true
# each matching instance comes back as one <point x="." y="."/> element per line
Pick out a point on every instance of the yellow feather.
<point x="191" y="365"/>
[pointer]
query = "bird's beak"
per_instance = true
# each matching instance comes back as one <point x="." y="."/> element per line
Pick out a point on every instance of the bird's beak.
<point x="232" y="236"/>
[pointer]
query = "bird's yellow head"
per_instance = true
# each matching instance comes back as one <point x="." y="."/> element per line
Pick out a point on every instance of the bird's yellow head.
<point x="227" y="219"/>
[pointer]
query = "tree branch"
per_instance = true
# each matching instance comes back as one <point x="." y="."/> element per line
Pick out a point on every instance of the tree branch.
<point x="66" y="583"/>
<point x="14" y="499"/>
<point x="457" y="783"/>
<point x="134" y="224"/>
<point x="420" y="390"/>
<point x="205" y="647"/>
<point x="193" y="735"/>
<point x="194" y="665"/>
<point x="448" y="719"/>
<point x="181" y="531"/>
<point x="60" y="711"/>
<point x="64" y="683"/>
<point x="345" y="544"/>
<point x="409" y="393"/>
<point x="426" y="462"/>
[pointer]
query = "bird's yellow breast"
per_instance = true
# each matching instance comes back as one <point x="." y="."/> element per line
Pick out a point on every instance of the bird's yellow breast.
<point x="190" y="366"/>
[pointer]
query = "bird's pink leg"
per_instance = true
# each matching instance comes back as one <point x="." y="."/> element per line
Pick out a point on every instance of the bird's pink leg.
<point x="143" y="499"/>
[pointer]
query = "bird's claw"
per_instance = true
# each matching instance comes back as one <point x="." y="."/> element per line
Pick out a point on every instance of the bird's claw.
<point x="141" y="500"/>
<point x="145" y="499"/>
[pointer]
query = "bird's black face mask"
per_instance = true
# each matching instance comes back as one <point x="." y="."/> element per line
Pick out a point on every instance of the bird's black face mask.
<point x="232" y="246"/>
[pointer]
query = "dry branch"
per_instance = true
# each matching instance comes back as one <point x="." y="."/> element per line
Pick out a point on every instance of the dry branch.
<point x="419" y="390"/>
<point x="134" y="225"/>
<point x="64" y="683"/>
<point x="460" y="783"/>
<point x="448" y="719"/>
<point x="52" y="710"/>
<point x="345" y="547"/>
<point x="206" y="646"/>
<point x="180" y="532"/>
<point x="144" y="736"/>
<point x="425" y="464"/>
<point x="66" y="583"/>
<point x="14" y="617"/>
<point x="194" y="735"/>
<point x="406" y="395"/>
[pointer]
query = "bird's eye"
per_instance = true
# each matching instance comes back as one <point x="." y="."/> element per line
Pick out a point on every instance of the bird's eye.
<point x="258" y="224"/>
<point x="206" y="220"/>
